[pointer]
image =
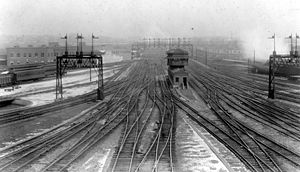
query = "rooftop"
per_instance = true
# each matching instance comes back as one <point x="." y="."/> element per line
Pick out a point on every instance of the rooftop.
<point x="176" y="51"/>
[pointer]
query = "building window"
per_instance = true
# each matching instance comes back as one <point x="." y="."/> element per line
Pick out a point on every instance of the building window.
<point x="29" y="54"/>
<point x="42" y="54"/>
<point x="18" y="54"/>
<point x="11" y="54"/>
<point x="35" y="54"/>
<point x="25" y="55"/>
<point x="176" y="79"/>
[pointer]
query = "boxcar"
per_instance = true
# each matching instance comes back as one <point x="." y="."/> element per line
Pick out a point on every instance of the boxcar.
<point x="6" y="79"/>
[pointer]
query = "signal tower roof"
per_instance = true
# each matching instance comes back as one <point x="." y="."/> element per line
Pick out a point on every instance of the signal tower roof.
<point x="176" y="52"/>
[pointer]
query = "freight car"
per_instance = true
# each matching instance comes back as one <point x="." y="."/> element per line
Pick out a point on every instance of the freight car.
<point x="7" y="79"/>
<point x="50" y="69"/>
<point x="28" y="72"/>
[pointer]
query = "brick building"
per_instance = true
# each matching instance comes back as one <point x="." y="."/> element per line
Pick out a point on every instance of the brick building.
<point x="41" y="54"/>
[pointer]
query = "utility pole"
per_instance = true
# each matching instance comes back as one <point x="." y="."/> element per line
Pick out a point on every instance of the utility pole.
<point x="158" y="44"/>
<point x="144" y="43"/>
<point x="77" y="51"/>
<point x="206" y="56"/>
<point x="296" y="49"/>
<point x="254" y="57"/>
<point x="81" y="53"/>
<point x="149" y="43"/>
<point x="248" y="65"/>
<point x="273" y="37"/>
<point x="271" y="90"/>
<point x="66" y="38"/>
<point x="291" y="37"/>
<point x="93" y="37"/>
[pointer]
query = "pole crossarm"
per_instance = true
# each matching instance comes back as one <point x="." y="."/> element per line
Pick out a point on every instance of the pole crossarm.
<point x="286" y="60"/>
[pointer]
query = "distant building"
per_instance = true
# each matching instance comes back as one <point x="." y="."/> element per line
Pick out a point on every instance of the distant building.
<point x="42" y="54"/>
<point x="3" y="60"/>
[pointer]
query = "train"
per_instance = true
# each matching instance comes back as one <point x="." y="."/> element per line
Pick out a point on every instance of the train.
<point x="26" y="72"/>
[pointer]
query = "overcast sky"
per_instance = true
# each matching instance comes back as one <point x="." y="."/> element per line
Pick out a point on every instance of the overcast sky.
<point x="252" y="20"/>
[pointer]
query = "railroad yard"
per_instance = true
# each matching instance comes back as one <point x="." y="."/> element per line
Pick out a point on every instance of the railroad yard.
<point x="149" y="86"/>
<point x="222" y="122"/>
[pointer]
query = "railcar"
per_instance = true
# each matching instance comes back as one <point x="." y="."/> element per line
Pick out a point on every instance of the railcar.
<point x="7" y="79"/>
<point x="50" y="69"/>
<point x="28" y="72"/>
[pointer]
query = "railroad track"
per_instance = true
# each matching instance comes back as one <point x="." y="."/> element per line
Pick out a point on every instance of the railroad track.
<point x="138" y="151"/>
<point x="246" y="146"/>
<point x="24" y="113"/>
<point x="14" y="115"/>
<point x="88" y="129"/>
<point x="85" y="132"/>
<point x="258" y="82"/>
<point x="22" y="154"/>
<point x="264" y="153"/>
<point x="253" y="107"/>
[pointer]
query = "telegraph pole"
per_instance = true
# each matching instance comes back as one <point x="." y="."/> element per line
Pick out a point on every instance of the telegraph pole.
<point x="77" y="49"/>
<point x="291" y="37"/>
<point x="254" y="57"/>
<point x="296" y="50"/>
<point x="271" y="90"/>
<point x="81" y="53"/>
<point x="206" y="56"/>
<point x="93" y="37"/>
<point x="144" y="40"/>
<point x="66" y="48"/>
<point x="92" y="53"/>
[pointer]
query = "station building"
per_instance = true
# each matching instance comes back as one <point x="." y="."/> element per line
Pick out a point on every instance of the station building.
<point x="176" y="60"/>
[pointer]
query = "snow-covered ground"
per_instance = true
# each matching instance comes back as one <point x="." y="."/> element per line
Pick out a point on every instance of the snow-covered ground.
<point x="70" y="79"/>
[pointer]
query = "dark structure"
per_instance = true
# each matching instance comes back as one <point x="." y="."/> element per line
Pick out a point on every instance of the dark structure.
<point x="177" y="59"/>
<point x="80" y="60"/>
<point x="277" y="61"/>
